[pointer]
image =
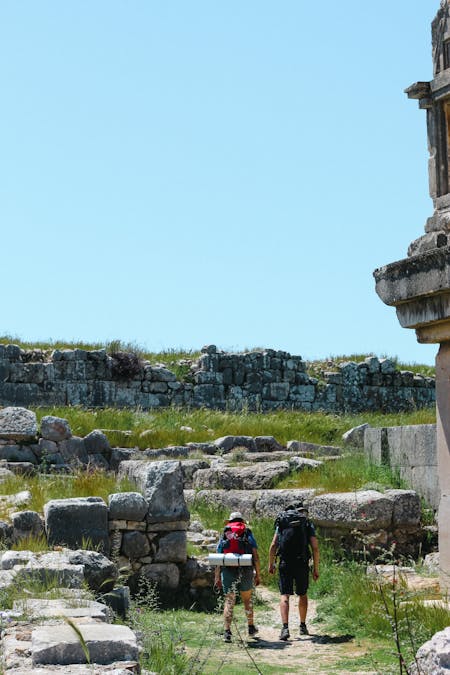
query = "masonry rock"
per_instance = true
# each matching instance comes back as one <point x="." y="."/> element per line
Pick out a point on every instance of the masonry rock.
<point x="18" y="424"/>
<point x="244" y="478"/>
<point x="162" y="486"/>
<point x="164" y="575"/>
<point x="55" y="428"/>
<point x="127" y="506"/>
<point x="433" y="657"/>
<point x="100" y="573"/>
<point x="252" y="503"/>
<point x="61" y="645"/>
<point x="264" y="380"/>
<point x="172" y="547"/>
<point x="73" y="522"/>
<point x="27" y="524"/>
<point x="363" y="510"/>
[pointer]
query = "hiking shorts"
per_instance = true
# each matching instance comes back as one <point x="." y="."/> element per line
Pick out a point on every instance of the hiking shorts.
<point x="293" y="574"/>
<point x="237" y="579"/>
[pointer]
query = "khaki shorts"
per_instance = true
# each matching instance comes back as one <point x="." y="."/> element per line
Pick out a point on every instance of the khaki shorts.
<point x="237" y="579"/>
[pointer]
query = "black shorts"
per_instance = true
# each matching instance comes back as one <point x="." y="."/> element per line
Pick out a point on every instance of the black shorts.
<point x="293" y="573"/>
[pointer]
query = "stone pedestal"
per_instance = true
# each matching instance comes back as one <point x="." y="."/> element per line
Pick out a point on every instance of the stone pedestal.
<point x="443" y="448"/>
<point x="419" y="288"/>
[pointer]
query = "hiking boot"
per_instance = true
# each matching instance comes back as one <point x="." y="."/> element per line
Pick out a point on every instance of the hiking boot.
<point x="252" y="629"/>
<point x="227" y="635"/>
<point x="303" y="629"/>
<point x="285" y="635"/>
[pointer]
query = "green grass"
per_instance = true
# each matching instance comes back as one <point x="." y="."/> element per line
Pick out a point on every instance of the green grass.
<point x="43" y="488"/>
<point x="351" y="472"/>
<point x="163" y="427"/>
<point x="352" y="602"/>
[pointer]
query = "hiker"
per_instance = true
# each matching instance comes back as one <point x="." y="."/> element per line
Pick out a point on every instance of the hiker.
<point x="294" y="538"/>
<point x="238" y="538"/>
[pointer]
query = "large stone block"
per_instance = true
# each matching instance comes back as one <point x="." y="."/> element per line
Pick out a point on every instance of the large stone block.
<point x="100" y="573"/>
<point x="76" y="522"/>
<point x="362" y="510"/>
<point x="161" y="483"/>
<point x="61" y="644"/>
<point x="164" y="575"/>
<point x="172" y="548"/>
<point x="18" y="424"/>
<point x="55" y="428"/>
<point x="127" y="506"/>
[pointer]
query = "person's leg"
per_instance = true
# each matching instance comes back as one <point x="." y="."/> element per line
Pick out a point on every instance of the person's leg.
<point x="230" y="599"/>
<point x="284" y="609"/>
<point x="302" y="607"/>
<point x="247" y="599"/>
<point x="301" y="588"/>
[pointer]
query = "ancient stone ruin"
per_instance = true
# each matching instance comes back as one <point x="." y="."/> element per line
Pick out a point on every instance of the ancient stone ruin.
<point x="419" y="286"/>
<point x="144" y="533"/>
<point x="260" y="380"/>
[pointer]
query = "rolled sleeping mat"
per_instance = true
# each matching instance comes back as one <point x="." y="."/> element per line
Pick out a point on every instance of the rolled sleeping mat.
<point x="231" y="559"/>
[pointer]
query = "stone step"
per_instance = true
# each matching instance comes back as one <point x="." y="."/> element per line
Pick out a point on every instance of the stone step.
<point x="72" y="608"/>
<point x="61" y="644"/>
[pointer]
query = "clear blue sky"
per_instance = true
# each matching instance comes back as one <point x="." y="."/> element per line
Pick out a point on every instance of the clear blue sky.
<point x="182" y="172"/>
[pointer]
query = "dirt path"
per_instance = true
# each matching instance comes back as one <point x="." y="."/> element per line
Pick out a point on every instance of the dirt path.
<point x="315" y="654"/>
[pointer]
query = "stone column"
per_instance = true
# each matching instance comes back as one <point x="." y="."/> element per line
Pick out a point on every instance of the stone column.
<point x="443" y="449"/>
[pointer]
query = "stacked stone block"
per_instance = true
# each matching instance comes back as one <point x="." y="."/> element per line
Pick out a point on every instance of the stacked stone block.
<point x="261" y="380"/>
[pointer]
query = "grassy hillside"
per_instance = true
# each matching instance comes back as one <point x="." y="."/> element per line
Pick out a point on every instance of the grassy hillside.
<point x="172" y="426"/>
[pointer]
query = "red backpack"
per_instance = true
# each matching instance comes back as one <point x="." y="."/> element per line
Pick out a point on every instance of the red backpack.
<point x="235" y="538"/>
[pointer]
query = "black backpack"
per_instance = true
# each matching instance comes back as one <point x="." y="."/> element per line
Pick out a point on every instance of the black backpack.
<point x="293" y="536"/>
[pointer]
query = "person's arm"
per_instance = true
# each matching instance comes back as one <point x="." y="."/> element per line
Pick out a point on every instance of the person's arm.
<point x="217" y="578"/>
<point x="272" y="553"/>
<point x="257" y="566"/>
<point x="315" y="551"/>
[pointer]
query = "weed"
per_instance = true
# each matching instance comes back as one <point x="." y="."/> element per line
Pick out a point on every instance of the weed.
<point x="34" y="543"/>
<point x="353" y="471"/>
<point x="81" y="483"/>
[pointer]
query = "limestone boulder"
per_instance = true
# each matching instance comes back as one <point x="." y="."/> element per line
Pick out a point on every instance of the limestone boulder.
<point x="164" y="575"/>
<point x="354" y="437"/>
<point x="27" y="524"/>
<point x="268" y="444"/>
<point x="251" y="503"/>
<point x="73" y="451"/>
<point x="135" y="545"/>
<point x="172" y="548"/>
<point x="55" y="428"/>
<point x="96" y="443"/>
<point x="76" y="522"/>
<point x="362" y="510"/>
<point x="228" y="443"/>
<point x="17" y="453"/>
<point x="100" y="573"/>
<point x="255" y="477"/>
<point x="189" y="467"/>
<point x="269" y="503"/>
<point x="161" y="483"/>
<point x="61" y="644"/>
<point x="127" y="506"/>
<point x="230" y="500"/>
<point x="303" y="448"/>
<point x="300" y="463"/>
<point x="433" y="657"/>
<point x="18" y="424"/>
<point x="406" y="507"/>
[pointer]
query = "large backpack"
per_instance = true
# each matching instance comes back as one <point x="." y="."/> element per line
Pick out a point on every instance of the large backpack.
<point x="235" y="538"/>
<point x="293" y="536"/>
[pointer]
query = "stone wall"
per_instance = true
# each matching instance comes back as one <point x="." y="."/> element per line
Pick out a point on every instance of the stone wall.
<point x="261" y="380"/>
<point x="412" y="451"/>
